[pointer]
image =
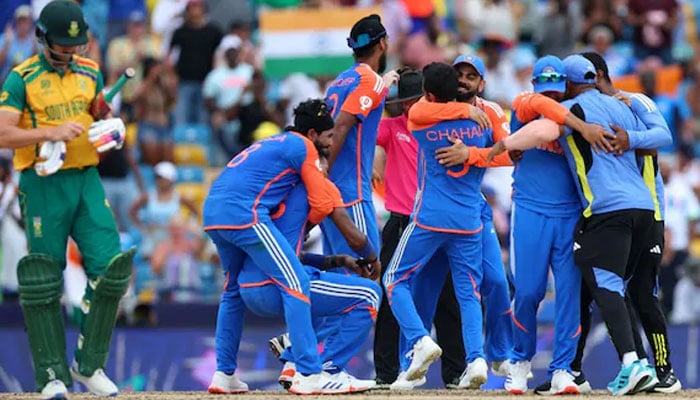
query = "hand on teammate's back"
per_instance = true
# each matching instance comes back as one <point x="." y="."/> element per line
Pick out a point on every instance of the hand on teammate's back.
<point x="598" y="137"/>
<point x="68" y="131"/>
<point x="479" y="116"/>
<point x="457" y="154"/>
<point x="390" y="78"/>
<point x="621" y="141"/>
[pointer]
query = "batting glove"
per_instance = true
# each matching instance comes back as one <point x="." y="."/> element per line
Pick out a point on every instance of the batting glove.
<point x="53" y="154"/>
<point x="107" y="134"/>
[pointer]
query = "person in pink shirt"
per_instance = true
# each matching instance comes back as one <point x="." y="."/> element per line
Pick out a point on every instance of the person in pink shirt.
<point x="396" y="164"/>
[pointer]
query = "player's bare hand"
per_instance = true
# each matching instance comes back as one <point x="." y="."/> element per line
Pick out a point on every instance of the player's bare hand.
<point x="352" y="263"/>
<point x="623" y="98"/>
<point x="515" y="155"/>
<point x="65" y="132"/>
<point x="390" y="78"/>
<point x="374" y="268"/>
<point x="598" y="138"/>
<point x="479" y="116"/>
<point x="497" y="149"/>
<point x="377" y="177"/>
<point x="457" y="154"/>
<point x="621" y="141"/>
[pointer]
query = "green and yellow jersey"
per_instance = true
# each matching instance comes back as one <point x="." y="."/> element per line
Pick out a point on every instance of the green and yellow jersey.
<point x="46" y="97"/>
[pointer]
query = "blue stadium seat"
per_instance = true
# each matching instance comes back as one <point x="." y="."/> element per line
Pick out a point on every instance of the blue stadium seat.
<point x="190" y="173"/>
<point x="192" y="133"/>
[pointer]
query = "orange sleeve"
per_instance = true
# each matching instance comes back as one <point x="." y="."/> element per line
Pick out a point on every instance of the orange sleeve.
<point x="322" y="198"/>
<point x="500" y="130"/>
<point x="478" y="156"/>
<point x="425" y="113"/>
<point x="529" y="106"/>
<point x="367" y="96"/>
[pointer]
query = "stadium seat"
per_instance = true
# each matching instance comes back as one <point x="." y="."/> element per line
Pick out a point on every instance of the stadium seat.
<point x="190" y="154"/>
<point x="192" y="133"/>
<point x="195" y="192"/>
<point x="190" y="174"/>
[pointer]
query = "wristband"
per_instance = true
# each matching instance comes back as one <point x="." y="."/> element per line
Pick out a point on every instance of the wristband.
<point x="313" y="260"/>
<point x="367" y="251"/>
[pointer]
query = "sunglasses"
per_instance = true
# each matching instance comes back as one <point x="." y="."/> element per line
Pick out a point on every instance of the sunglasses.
<point x="552" y="77"/>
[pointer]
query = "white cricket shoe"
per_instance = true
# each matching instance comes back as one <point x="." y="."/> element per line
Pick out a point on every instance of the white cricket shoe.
<point x="501" y="368"/>
<point x="356" y="385"/>
<point x="474" y="375"/>
<point x="563" y="383"/>
<point x="222" y="383"/>
<point x="424" y="353"/>
<point x="287" y="375"/>
<point x="401" y="383"/>
<point x="98" y="384"/>
<point x="54" y="390"/>
<point x="306" y="384"/>
<point x="516" y="382"/>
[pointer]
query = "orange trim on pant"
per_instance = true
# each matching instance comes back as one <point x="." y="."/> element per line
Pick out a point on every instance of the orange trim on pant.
<point x="294" y="293"/>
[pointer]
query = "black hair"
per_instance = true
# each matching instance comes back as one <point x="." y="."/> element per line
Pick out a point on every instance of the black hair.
<point x="440" y="80"/>
<point x="147" y="65"/>
<point x="364" y="53"/>
<point x="312" y="114"/>
<point x="599" y="63"/>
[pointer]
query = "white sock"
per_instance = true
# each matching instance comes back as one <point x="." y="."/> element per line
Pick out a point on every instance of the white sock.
<point x="629" y="358"/>
<point x="644" y="362"/>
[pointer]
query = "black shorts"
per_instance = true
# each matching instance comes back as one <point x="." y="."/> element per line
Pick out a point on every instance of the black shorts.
<point x="613" y="241"/>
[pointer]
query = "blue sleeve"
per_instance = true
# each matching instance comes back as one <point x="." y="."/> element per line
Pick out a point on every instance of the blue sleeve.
<point x="657" y="134"/>
<point x="515" y="123"/>
<point x="575" y="109"/>
<point x="296" y="152"/>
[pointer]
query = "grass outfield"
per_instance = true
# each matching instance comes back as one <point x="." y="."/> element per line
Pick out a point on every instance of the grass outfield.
<point x="374" y="395"/>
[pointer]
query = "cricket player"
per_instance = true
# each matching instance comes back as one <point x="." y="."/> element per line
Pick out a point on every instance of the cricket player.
<point x="446" y="216"/>
<point x="47" y="105"/>
<point x="237" y="216"/>
<point x="356" y="98"/>
<point x="618" y="212"/>
<point x="349" y="302"/>
<point x="643" y="286"/>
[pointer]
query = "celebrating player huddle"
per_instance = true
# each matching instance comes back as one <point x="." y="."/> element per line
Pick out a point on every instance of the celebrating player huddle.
<point x="587" y="203"/>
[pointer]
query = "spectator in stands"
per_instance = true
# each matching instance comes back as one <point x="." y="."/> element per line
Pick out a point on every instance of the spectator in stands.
<point x="523" y="62"/>
<point x="666" y="105"/>
<point x="682" y="211"/>
<point x="193" y="46"/>
<point x="12" y="238"/>
<point x="653" y="22"/>
<point x="153" y="101"/>
<point x="249" y="53"/>
<point x="294" y="89"/>
<point x="166" y="17"/>
<point x="130" y="50"/>
<point x="687" y="295"/>
<point x="398" y="24"/>
<point x="152" y="212"/>
<point x="559" y="29"/>
<point x="17" y="43"/>
<point x="223" y="91"/>
<point x="225" y="13"/>
<point x="175" y="262"/>
<point x="257" y="113"/>
<point x="490" y="19"/>
<point x="119" y="14"/>
<point x="601" y="12"/>
<point x="502" y="86"/>
<point x="600" y="38"/>
<point x="691" y="125"/>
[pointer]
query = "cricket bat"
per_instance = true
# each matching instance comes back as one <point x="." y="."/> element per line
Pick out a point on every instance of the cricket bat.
<point x="100" y="106"/>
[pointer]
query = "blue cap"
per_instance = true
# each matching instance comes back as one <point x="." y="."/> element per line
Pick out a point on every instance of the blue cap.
<point x="549" y="75"/>
<point x="579" y="69"/>
<point x="472" y="60"/>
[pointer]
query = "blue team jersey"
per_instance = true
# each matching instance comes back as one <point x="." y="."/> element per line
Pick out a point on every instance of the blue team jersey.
<point x="448" y="199"/>
<point x="360" y="92"/>
<point x="542" y="181"/>
<point x="605" y="182"/>
<point x="652" y="118"/>
<point x="257" y="180"/>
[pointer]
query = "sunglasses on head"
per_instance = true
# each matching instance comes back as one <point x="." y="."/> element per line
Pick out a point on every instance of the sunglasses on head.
<point x="553" y="77"/>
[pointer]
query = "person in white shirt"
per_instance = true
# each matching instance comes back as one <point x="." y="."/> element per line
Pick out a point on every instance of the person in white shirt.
<point x="687" y="295"/>
<point x="682" y="211"/>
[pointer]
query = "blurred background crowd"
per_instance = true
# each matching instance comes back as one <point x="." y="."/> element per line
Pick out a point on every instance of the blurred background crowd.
<point x="216" y="75"/>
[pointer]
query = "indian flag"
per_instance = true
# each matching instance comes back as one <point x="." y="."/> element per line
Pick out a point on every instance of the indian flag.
<point x="312" y="41"/>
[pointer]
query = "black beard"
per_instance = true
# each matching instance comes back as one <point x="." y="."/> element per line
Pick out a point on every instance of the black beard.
<point x="323" y="152"/>
<point x="382" y="63"/>
<point x="465" y="97"/>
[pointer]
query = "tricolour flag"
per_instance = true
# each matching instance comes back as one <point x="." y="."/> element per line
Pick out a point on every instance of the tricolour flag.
<point x="312" y="41"/>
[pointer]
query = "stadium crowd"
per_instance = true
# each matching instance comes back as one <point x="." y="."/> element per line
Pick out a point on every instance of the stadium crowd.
<point x="201" y="94"/>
